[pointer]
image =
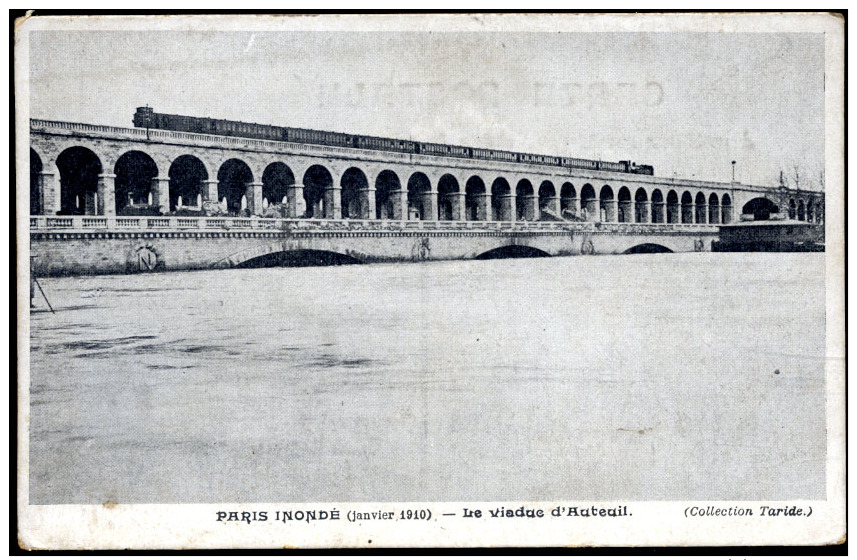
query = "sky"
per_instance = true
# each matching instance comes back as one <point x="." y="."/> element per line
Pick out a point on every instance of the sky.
<point x="686" y="103"/>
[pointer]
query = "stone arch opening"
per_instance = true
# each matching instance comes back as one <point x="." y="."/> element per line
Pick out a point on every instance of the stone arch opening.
<point x="317" y="181"/>
<point x="512" y="252"/>
<point x="134" y="173"/>
<point x="388" y="203"/>
<point x="354" y="182"/>
<point x="475" y="199"/>
<point x="547" y="199"/>
<point x="713" y="209"/>
<point x="701" y="209"/>
<point x="298" y="258"/>
<point x="673" y="208"/>
<point x="36" y="190"/>
<point x="659" y="212"/>
<point x="187" y="174"/>
<point x="419" y="198"/>
<point x="79" y="169"/>
<point x="810" y="212"/>
<point x="567" y="200"/>
<point x="524" y="201"/>
<point x="501" y="199"/>
<point x="641" y="206"/>
<point x="233" y="177"/>
<point x="625" y="208"/>
<point x="589" y="207"/>
<point x="792" y="209"/>
<point x="726" y="209"/>
<point x="761" y="208"/>
<point x="276" y="180"/>
<point x="608" y="204"/>
<point x="686" y="208"/>
<point x="801" y="211"/>
<point x="447" y="198"/>
<point x="647" y="248"/>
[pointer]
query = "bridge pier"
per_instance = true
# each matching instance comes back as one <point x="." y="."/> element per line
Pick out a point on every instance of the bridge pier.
<point x="714" y="214"/>
<point x="610" y="208"/>
<point x="507" y="208"/>
<point x="296" y="204"/>
<point x="531" y="211"/>
<point x="209" y="190"/>
<point x="52" y="203"/>
<point x="658" y="213"/>
<point x="626" y="208"/>
<point x="161" y="193"/>
<point x="458" y="206"/>
<point x="332" y="202"/>
<point x="253" y="191"/>
<point x="429" y="201"/>
<point x="643" y="213"/>
<point x="483" y="207"/>
<point x="400" y="204"/>
<point x="593" y="210"/>
<point x="366" y="198"/>
<point x="106" y="194"/>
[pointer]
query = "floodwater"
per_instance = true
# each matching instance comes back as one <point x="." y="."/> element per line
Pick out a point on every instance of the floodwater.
<point x="644" y="377"/>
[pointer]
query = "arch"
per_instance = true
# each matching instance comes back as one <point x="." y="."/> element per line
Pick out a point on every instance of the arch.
<point x="547" y="198"/>
<point x="673" y="208"/>
<point x="792" y="209"/>
<point x="608" y="204"/>
<point x="686" y="208"/>
<point x="134" y="173"/>
<point x="186" y="173"/>
<point x="761" y="208"/>
<point x="701" y="209"/>
<point x="501" y="199"/>
<point x="79" y="169"/>
<point x="475" y="200"/>
<point x="317" y="181"/>
<point x="36" y="189"/>
<point x="388" y="202"/>
<point x="641" y="206"/>
<point x="801" y="211"/>
<point x="589" y="206"/>
<point x="659" y="213"/>
<point x="810" y="211"/>
<point x="353" y="182"/>
<point x="447" y="198"/>
<point x="646" y="248"/>
<point x="233" y="177"/>
<point x="526" y="208"/>
<point x="512" y="252"/>
<point x="419" y="203"/>
<point x="567" y="200"/>
<point x="625" y="207"/>
<point x="726" y="209"/>
<point x="298" y="258"/>
<point x="276" y="180"/>
<point x="713" y="209"/>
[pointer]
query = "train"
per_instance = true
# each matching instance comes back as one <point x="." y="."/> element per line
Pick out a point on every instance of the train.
<point x="146" y="117"/>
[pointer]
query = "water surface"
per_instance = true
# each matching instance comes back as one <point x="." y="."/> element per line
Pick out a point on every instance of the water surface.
<point x="645" y="377"/>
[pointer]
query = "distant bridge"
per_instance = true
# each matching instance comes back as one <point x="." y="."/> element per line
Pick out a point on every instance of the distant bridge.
<point x="112" y="199"/>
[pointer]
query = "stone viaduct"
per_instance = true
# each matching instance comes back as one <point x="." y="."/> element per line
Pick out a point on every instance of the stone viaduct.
<point x="126" y="197"/>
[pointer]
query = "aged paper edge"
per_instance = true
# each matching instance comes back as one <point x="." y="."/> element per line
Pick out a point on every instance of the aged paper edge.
<point x="139" y="526"/>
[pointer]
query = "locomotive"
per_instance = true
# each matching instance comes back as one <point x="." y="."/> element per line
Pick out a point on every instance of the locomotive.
<point x="146" y="117"/>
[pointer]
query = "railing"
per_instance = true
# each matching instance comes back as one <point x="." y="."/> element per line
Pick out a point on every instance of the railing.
<point x="309" y="224"/>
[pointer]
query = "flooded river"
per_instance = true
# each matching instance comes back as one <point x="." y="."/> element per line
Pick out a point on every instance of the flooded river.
<point x="647" y="377"/>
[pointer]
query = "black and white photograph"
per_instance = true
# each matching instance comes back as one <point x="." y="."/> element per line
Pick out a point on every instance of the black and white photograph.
<point x="430" y="280"/>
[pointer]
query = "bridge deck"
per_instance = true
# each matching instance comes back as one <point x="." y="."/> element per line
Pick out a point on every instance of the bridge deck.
<point x="174" y="223"/>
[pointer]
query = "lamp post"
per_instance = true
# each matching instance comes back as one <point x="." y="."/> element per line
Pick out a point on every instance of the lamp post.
<point x="733" y="170"/>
